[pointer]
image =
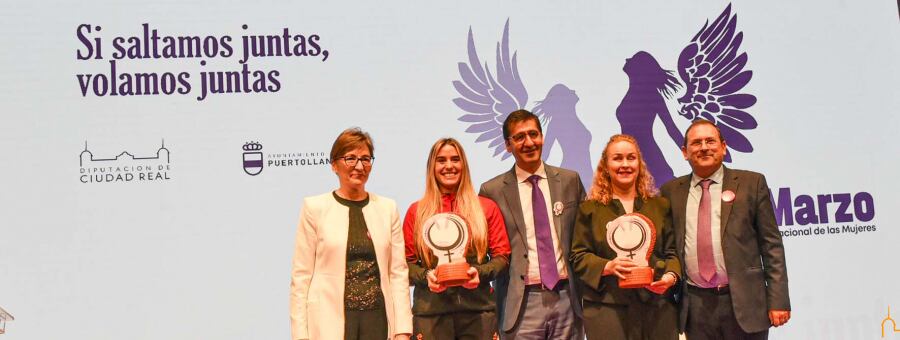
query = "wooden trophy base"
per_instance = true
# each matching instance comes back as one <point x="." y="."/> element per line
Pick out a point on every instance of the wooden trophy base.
<point x="637" y="278"/>
<point x="452" y="274"/>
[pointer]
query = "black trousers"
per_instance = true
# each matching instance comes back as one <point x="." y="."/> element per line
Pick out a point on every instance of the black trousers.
<point x="657" y="319"/>
<point x="711" y="317"/>
<point x="456" y="326"/>
<point x="365" y="324"/>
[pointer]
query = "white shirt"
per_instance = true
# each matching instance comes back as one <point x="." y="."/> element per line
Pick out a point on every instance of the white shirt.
<point x="534" y="270"/>
<point x="690" y="228"/>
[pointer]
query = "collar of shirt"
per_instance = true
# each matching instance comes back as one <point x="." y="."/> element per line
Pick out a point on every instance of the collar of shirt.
<point x="716" y="177"/>
<point x="620" y="209"/>
<point x="522" y="175"/>
<point x="447" y="202"/>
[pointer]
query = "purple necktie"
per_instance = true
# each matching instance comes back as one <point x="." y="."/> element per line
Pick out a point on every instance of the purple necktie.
<point x="705" y="259"/>
<point x="546" y="253"/>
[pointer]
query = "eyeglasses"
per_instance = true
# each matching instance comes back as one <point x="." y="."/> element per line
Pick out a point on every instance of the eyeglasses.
<point x="520" y="137"/>
<point x="710" y="142"/>
<point x="352" y="160"/>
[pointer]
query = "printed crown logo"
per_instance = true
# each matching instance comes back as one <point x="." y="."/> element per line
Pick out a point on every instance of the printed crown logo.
<point x="252" y="146"/>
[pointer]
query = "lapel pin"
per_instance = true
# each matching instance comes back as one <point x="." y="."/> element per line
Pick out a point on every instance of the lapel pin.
<point x="557" y="208"/>
<point x="728" y="196"/>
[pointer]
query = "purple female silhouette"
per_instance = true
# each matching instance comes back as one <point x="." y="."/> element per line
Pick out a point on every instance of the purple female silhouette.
<point x="489" y="97"/>
<point x="648" y="87"/>
<point x="712" y="70"/>
<point x="557" y="113"/>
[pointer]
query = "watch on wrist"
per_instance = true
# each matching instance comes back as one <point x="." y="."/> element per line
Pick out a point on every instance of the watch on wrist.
<point x="674" y="276"/>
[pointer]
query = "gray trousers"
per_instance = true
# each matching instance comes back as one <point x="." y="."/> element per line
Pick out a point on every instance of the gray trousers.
<point x="545" y="315"/>
<point x="711" y="317"/>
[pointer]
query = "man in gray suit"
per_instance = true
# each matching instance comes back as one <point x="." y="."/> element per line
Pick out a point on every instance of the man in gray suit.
<point x="536" y="300"/>
<point x="735" y="282"/>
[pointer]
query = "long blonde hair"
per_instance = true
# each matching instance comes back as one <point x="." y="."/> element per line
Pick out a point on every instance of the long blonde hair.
<point x="467" y="206"/>
<point x="601" y="190"/>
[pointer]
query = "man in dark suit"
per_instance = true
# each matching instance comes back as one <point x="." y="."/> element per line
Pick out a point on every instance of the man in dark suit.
<point x="735" y="282"/>
<point x="537" y="299"/>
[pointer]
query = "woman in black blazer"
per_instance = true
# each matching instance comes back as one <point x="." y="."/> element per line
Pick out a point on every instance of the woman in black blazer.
<point x="622" y="185"/>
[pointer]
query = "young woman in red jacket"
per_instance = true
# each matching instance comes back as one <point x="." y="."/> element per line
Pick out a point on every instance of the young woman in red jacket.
<point x="469" y="310"/>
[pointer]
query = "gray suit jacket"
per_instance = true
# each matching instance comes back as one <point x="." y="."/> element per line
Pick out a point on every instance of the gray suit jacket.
<point x="751" y="243"/>
<point x="565" y="186"/>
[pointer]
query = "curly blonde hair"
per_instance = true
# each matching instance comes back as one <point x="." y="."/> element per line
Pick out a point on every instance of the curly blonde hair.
<point x="601" y="190"/>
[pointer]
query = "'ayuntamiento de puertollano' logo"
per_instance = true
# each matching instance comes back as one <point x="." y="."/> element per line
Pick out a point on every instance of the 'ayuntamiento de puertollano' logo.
<point x="253" y="158"/>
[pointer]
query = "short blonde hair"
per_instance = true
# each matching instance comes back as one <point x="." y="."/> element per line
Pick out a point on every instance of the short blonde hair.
<point x="350" y="139"/>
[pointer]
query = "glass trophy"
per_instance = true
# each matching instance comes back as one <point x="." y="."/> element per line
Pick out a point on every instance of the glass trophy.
<point x="633" y="236"/>
<point x="447" y="235"/>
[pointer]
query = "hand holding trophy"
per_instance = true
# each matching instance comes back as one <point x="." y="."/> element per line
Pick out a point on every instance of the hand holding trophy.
<point x="633" y="236"/>
<point x="447" y="235"/>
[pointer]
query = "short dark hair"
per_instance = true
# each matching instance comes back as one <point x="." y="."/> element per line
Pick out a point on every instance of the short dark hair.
<point x="350" y="139"/>
<point x="518" y="116"/>
<point x="697" y="122"/>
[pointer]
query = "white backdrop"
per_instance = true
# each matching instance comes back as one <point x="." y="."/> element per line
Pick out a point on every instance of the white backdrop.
<point x="199" y="249"/>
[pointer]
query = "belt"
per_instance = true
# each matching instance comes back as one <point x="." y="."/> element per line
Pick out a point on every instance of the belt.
<point x="720" y="290"/>
<point x="561" y="285"/>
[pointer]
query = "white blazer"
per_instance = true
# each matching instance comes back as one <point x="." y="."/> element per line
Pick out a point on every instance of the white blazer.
<point x="320" y="260"/>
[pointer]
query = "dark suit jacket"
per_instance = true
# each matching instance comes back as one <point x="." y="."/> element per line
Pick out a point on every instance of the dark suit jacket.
<point x="565" y="187"/>
<point x="751" y="244"/>
<point x="591" y="252"/>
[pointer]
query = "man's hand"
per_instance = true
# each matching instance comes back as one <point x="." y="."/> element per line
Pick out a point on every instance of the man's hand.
<point x="779" y="317"/>
<point x="433" y="285"/>
<point x="474" y="280"/>
<point x="401" y="337"/>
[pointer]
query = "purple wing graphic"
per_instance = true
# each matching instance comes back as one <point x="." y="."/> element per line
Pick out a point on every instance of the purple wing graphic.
<point x="712" y="69"/>
<point x="489" y="99"/>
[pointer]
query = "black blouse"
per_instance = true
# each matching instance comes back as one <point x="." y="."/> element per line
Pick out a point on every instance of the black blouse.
<point x="362" y="283"/>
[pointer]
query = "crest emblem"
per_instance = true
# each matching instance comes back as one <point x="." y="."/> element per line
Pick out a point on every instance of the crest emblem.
<point x="253" y="158"/>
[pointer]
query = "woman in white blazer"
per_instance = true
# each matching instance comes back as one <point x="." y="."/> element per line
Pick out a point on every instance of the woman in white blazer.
<point x="350" y="277"/>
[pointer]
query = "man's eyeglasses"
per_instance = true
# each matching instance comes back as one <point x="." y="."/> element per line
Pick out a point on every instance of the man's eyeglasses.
<point x="520" y="137"/>
<point x="352" y="160"/>
<point x="710" y="142"/>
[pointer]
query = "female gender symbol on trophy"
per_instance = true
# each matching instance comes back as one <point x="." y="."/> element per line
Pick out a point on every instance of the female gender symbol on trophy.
<point x="633" y="236"/>
<point x="447" y="235"/>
